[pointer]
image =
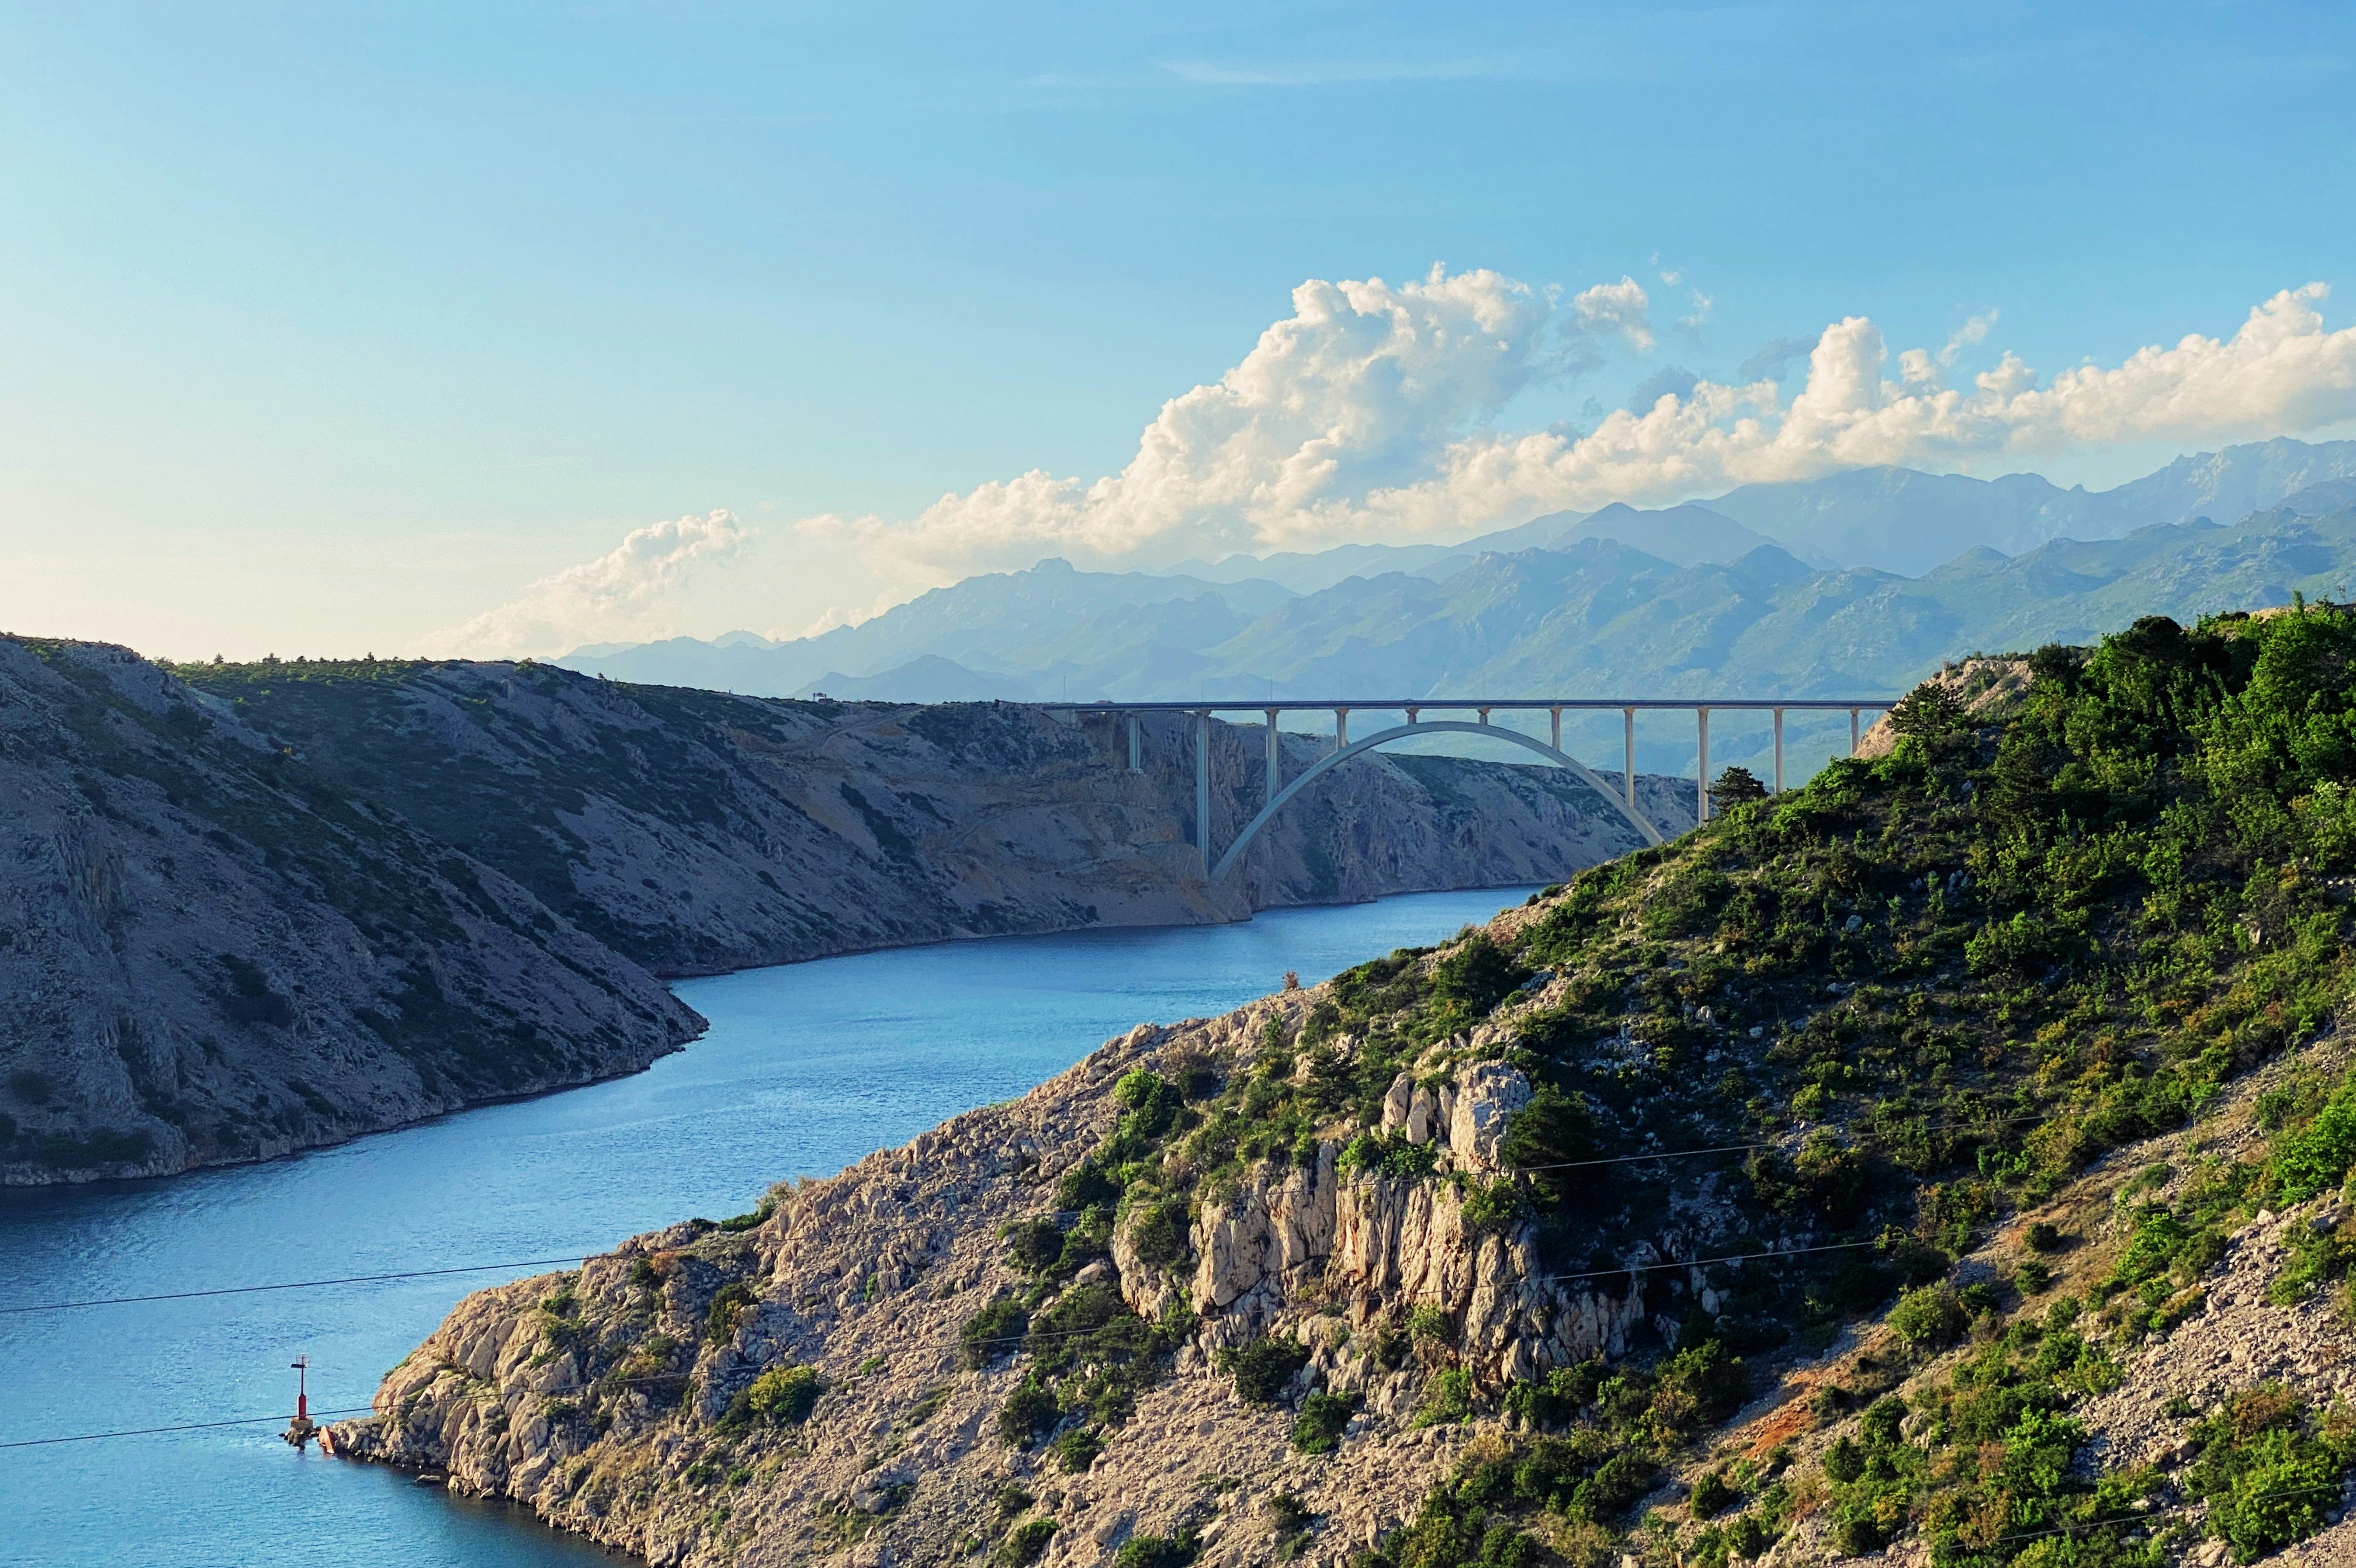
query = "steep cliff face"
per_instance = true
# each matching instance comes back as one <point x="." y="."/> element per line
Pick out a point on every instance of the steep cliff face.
<point x="623" y="1400"/>
<point x="208" y="952"/>
<point x="696" y="831"/>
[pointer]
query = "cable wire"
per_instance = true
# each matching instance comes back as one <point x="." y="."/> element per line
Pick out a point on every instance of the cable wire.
<point x="299" y="1284"/>
<point x="1773" y="1143"/>
<point x="158" y="1431"/>
<point x="587" y="1252"/>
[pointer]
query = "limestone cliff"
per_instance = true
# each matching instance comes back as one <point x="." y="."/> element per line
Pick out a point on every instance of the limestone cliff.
<point x="208" y="952"/>
<point x="603" y="1399"/>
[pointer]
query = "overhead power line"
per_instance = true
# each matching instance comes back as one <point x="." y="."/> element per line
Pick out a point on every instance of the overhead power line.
<point x="1773" y="1143"/>
<point x="301" y="1284"/>
<point x="586" y="1253"/>
<point x="160" y="1431"/>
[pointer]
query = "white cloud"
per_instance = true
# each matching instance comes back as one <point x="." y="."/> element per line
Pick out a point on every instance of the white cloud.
<point x="1366" y="415"/>
<point x="1360" y="390"/>
<point x="1973" y="331"/>
<point x="624" y="595"/>
<point x="2280" y="372"/>
<point x="1619" y="308"/>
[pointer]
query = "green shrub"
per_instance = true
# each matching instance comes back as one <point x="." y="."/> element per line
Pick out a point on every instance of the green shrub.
<point x="2268" y="1470"/>
<point x="1711" y="1494"/>
<point x="729" y="1305"/>
<point x="1026" y="1543"/>
<point x="1477" y="973"/>
<point x="1492" y="1207"/>
<point x="1736" y="786"/>
<point x="1377" y="1154"/>
<point x="1156" y="1551"/>
<point x="1035" y="1246"/>
<point x="1151" y="1101"/>
<point x="2317" y="1159"/>
<point x="1087" y="1186"/>
<point x="1162" y="1232"/>
<point x="785" y="1395"/>
<point x="994" y="1331"/>
<point x="1076" y="1450"/>
<point x="1930" y="1319"/>
<point x="1029" y="1410"/>
<point x="1262" y="1368"/>
<point x="1323" y="1416"/>
<point x="1880" y="1423"/>
<point x="1432" y="1324"/>
<point x="2043" y="1237"/>
<point x="1447" y="1399"/>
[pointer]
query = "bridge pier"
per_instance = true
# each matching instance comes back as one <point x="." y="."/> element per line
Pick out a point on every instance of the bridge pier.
<point x="1701" y="802"/>
<point x="1275" y="792"/>
<point x="1628" y="718"/>
<point x="1202" y="787"/>
<point x="1136" y="761"/>
<point x="1274" y="765"/>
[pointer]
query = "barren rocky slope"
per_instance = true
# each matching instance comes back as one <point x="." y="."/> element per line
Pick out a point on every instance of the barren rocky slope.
<point x="208" y="952"/>
<point x="1950" y="1162"/>
<point x="696" y="831"/>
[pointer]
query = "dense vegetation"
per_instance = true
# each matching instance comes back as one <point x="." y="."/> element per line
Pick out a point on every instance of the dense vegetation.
<point x="1926" y="990"/>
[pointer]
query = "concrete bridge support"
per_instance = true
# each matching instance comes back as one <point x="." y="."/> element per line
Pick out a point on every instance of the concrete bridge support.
<point x="1275" y="792"/>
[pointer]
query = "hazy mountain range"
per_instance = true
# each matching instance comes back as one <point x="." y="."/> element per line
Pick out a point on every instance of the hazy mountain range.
<point x="1848" y="585"/>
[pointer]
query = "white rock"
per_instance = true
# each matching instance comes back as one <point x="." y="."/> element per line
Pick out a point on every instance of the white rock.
<point x="1488" y="1094"/>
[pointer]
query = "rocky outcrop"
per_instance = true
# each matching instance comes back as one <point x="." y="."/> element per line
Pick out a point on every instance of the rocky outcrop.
<point x="601" y="1399"/>
<point x="696" y="831"/>
<point x="210" y="953"/>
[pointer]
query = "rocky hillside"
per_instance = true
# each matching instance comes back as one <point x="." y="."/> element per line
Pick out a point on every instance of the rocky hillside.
<point x="695" y="831"/>
<point x="1945" y="1161"/>
<point x="253" y="908"/>
<point x="210" y="951"/>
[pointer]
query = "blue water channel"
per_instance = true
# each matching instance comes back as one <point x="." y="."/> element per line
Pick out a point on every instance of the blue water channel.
<point x="807" y="1067"/>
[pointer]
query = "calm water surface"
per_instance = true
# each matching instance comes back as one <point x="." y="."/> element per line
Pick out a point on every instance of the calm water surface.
<point x="807" y="1068"/>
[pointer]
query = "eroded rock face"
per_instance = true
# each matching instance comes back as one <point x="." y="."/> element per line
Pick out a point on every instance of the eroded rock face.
<point x="600" y="1399"/>
<point x="1488" y="1095"/>
<point x="208" y="953"/>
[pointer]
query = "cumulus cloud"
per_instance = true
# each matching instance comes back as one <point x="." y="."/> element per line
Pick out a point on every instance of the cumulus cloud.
<point x="1368" y="414"/>
<point x="1619" y="308"/>
<point x="624" y="595"/>
<point x="1361" y="390"/>
<point x="2281" y="372"/>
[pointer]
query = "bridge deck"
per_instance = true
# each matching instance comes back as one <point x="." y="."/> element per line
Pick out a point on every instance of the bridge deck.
<point x="1278" y="793"/>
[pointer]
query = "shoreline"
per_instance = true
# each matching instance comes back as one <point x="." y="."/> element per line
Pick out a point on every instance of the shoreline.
<point x="8" y="1184"/>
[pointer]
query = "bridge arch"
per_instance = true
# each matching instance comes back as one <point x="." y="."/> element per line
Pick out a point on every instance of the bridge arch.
<point x="1334" y="759"/>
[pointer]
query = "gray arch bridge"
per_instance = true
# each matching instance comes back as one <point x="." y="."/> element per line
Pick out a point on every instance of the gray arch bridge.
<point x="1278" y="792"/>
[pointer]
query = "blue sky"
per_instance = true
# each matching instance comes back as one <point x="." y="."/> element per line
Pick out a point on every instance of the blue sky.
<point x="332" y="326"/>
